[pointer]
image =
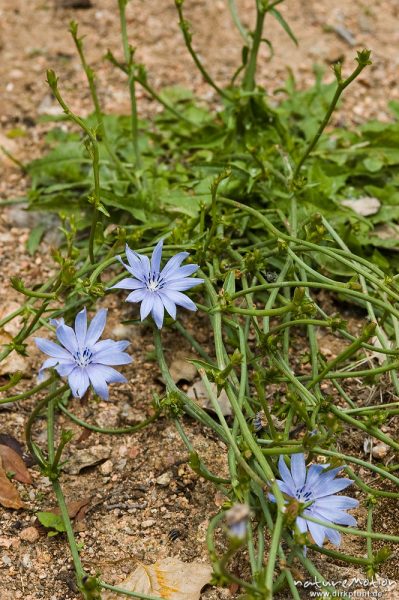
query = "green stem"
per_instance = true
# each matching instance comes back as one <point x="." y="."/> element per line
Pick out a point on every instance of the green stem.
<point x="250" y="70"/>
<point x="107" y="430"/>
<point x="97" y="107"/>
<point x="358" y="532"/>
<point x="189" y="406"/>
<point x="187" y="39"/>
<point x="31" y="419"/>
<point x="266" y="312"/>
<point x="80" y="573"/>
<point x="370" y="555"/>
<point x="332" y="253"/>
<point x="371" y="430"/>
<point x="128" y="54"/>
<point x="28" y="394"/>
<point x="237" y="22"/>
<point x="95" y="156"/>
<point x="340" y="556"/>
<point x="352" y="349"/>
<point x="342" y="84"/>
<point x="200" y="469"/>
<point x="123" y="592"/>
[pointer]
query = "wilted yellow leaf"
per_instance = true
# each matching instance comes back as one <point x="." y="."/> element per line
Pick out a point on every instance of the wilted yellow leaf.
<point x="169" y="578"/>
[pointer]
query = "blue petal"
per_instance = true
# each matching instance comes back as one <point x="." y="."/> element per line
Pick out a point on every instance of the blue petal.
<point x="183" y="284"/>
<point x="333" y="515"/>
<point x="324" y="479"/>
<point x="52" y="349"/>
<point x="100" y="376"/>
<point x="120" y="346"/>
<point x="187" y="270"/>
<point x="65" y="368"/>
<point x="96" y="327"/>
<point x="332" y="487"/>
<point x="313" y="475"/>
<point x="135" y="262"/>
<point x="112" y="375"/>
<point x="78" y="382"/>
<point x="173" y="264"/>
<point x="334" y="536"/>
<point x="301" y="524"/>
<point x="67" y="337"/>
<point x="98" y="381"/>
<point x="110" y="357"/>
<point x="157" y="311"/>
<point x="128" y="284"/>
<point x="81" y="327"/>
<point x="146" y="305"/>
<point x="168" y="304"/>
<point x="137" y="272"/>
<point x="180" y="299"/>
<point x="286" y="475"/>
<point x="156" y="257"/>
<point x="338" y="502"/>
<point x="298" y="469"/>
<point x="145" y="264"/>
<point x="286" y="489"/>
<point x="57" y="322"/>
<point x="105" y="345"/>
<point x="48" y="363"/>
<point x="137" y="295"/>
<point x="317" y="532"/>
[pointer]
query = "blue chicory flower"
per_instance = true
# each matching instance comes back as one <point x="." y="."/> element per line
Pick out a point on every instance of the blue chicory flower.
<point x="82" y="358"/>
<point x="319" y="486"/>
<point x="155" y="289"/>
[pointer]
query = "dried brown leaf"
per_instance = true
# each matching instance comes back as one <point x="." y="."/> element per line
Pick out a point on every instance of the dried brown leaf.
<point x="9" y="495"/>
<point x="13" y="362"/>
<point x="13" y="463"/>
<point x="11" y="442"/>
<point x="365" y="206"/>
<point x="198" y="393"/>
<point x="181" y="369"/>
<point x="169" y="578"/>
<point x="76" y="508"/>
<point x="85" y="458"/>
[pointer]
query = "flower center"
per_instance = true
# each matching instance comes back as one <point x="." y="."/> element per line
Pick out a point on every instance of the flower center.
<point x="303" y="495"/>
<point x="154" y="282"/>
<point x="83" y="358"/>
<point x="152" y="285"/>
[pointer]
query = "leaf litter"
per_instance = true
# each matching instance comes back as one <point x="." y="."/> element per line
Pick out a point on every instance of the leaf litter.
<point x="169" y="578"/>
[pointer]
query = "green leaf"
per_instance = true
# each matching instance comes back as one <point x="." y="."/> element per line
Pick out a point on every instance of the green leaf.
<point x="51" y="521"/>
<point x="176" y="93"/>
<point x="35" y="237"/>
<point x="279" y="17"/>
<point x="373" y="164"/>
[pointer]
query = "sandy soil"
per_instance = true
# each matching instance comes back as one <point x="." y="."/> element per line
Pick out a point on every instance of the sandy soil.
<point x="130" y="513"/>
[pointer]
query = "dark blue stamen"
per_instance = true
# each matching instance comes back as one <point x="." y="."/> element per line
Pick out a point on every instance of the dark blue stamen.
<point x="83" y="358"/>
<point x="154" y="281"/>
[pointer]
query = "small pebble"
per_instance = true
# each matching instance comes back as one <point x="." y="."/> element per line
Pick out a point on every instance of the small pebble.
<point x="26" y="561"/>
<point x="380" y="450"/>
<point x="6" y="560"/>
<point x="164" y="479"/>
<point x="30" y="534"/>
<point x="107" y="467"/>
<point x="148" y="523"/>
